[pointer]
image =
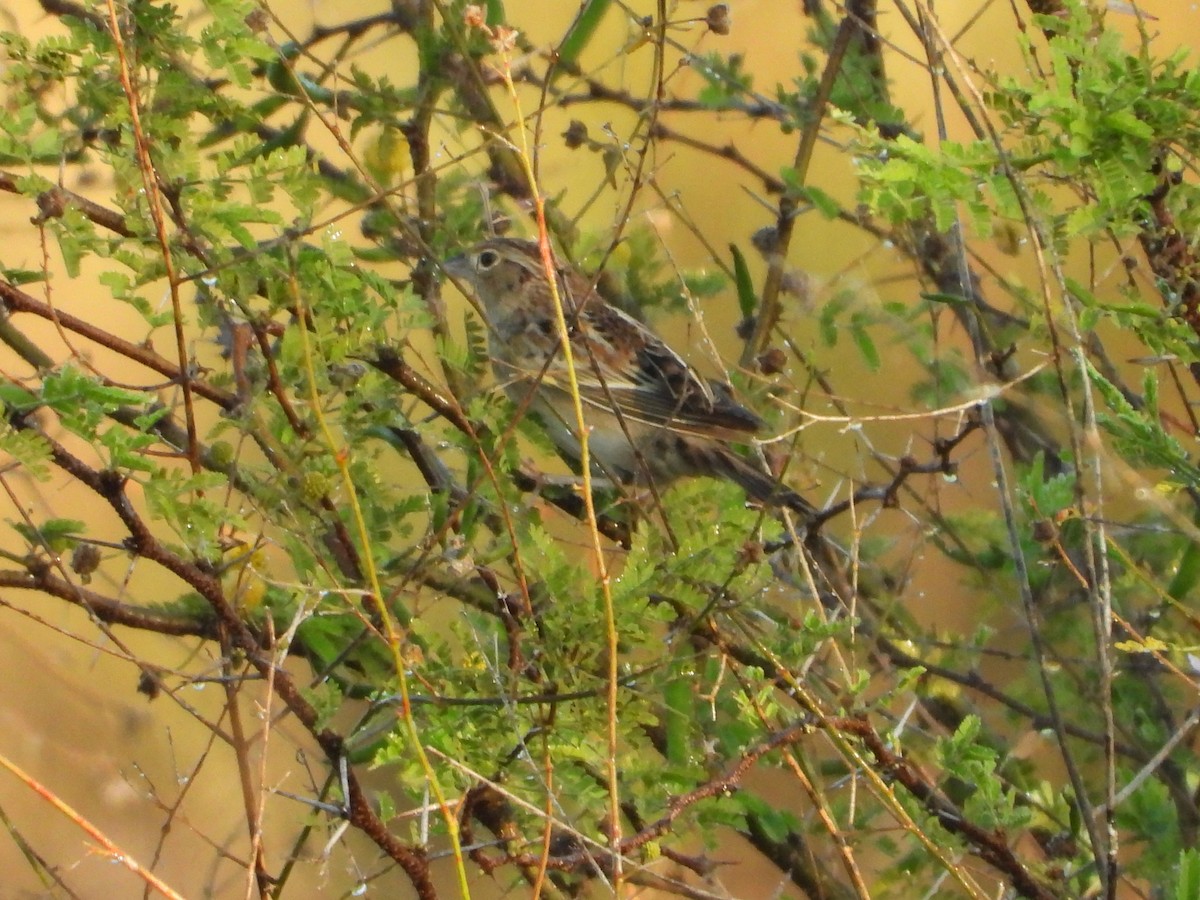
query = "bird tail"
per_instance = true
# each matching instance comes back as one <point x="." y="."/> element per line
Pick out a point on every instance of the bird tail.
<point x="761" y="486"/>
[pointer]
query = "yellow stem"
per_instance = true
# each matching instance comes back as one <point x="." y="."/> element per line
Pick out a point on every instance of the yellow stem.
<point x="610" y="619"/>
<point x="393" y="637"/>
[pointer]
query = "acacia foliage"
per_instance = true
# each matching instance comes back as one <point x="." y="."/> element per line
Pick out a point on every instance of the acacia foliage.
<point x="312" y="450"/>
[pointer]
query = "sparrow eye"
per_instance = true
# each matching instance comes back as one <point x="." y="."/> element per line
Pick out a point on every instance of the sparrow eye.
<point x="487" y="259"/>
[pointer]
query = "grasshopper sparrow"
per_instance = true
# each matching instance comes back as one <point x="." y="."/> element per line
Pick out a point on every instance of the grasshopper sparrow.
<point x="650" y="417"/>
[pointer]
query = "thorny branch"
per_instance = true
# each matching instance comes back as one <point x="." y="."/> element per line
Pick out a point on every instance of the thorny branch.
<point x="938" y="258"/>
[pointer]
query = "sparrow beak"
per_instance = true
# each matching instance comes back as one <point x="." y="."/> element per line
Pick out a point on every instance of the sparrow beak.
<point x="462" y="273"/>
<point x="458" y="267"/>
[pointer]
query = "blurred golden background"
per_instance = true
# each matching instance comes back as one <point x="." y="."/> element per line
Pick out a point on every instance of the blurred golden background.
<point x="70" y="712"/>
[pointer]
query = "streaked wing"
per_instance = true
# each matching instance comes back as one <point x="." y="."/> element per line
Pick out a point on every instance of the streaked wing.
<point x="629" y="367"/>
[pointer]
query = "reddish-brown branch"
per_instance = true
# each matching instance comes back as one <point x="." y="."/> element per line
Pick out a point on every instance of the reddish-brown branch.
<point x="991" y="845"/>
<point x="142" y="542"/>
<point x="53" y="202"/>
<point x="41" y="578"/>
<point x="16" y="300"/>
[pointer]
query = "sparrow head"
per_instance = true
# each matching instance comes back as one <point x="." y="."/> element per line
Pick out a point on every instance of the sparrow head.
<point x="501" y="271"/>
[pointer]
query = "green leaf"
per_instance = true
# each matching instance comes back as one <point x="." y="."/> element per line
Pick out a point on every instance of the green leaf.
<point x="1125" y="121"/>
<point x="679" y="714"/>
<point x="747" y="298"/>
<point x="1187" y="885"/>
<point x="1139" y="435"/>
<point x="28" y="448"/>
<point x="495" y="12"/>
<point x="55" y="534"/>
<point x="16" y="398"/>
<point x="82" y="401"/>
<point x="22" y="276"/>
<point x="824" y="203"/>
<point x="582" y="31"/>
<point x="1188" y="571"/>
<point x="866" y="346"/>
